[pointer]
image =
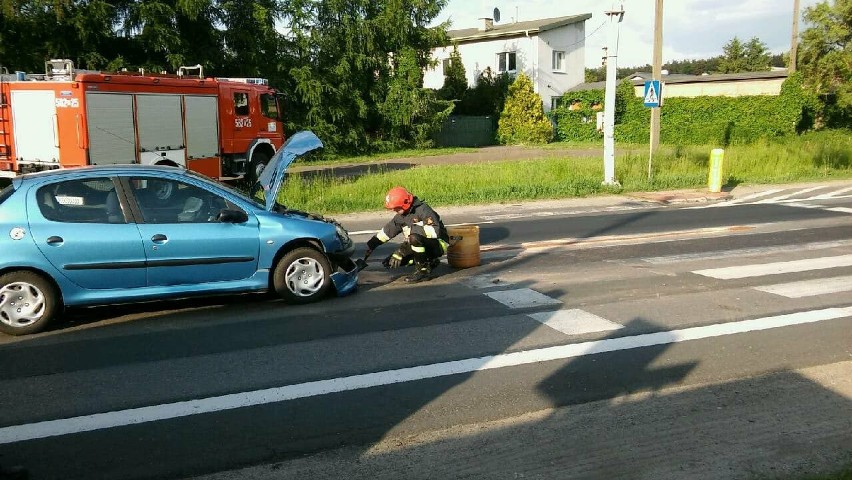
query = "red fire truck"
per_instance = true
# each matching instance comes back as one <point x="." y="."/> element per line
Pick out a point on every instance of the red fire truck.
<point x="225" y="128"/>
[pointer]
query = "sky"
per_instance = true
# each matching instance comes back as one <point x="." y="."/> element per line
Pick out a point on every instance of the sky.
<point x="692" y="29"/>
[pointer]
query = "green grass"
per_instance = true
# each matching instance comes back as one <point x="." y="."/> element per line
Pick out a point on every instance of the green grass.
<point x="811" y="157"/>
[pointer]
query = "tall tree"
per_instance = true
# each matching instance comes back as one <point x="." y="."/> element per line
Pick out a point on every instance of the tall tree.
<point x="455" y="77"/>
<point x="825" y="53"/>
<point x="734" y="58"/>
<point x="757" y="56"/>
<point x="345" y="53"/>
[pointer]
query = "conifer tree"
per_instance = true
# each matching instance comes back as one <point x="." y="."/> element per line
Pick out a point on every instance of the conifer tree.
<point x="523" y="119"/>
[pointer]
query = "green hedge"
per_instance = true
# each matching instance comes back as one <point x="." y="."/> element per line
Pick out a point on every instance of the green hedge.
<point x="691" y="121"/>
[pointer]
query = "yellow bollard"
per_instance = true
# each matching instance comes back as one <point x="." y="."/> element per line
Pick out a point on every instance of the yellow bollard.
<point x="714" y="179"/>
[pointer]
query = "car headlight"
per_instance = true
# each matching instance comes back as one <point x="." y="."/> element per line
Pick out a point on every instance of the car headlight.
<point x="343" y="236"/>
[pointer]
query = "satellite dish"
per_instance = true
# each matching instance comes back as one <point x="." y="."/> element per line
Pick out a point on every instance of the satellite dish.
<point x="496" y="14"/>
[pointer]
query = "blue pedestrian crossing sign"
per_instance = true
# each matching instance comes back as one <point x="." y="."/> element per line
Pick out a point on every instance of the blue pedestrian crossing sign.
<point x="653" y="93"/>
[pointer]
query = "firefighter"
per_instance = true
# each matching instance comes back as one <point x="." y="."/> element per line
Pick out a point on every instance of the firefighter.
<point x="426" y="238"/>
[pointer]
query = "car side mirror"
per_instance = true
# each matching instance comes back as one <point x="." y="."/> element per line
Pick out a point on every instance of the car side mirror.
<point x="232" y="216"/>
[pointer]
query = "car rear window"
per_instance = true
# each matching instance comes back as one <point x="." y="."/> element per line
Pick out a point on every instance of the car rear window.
<point x="6" y="193"/>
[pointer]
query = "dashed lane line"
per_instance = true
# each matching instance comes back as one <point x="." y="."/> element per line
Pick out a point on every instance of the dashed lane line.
<point x="153" y="413"/>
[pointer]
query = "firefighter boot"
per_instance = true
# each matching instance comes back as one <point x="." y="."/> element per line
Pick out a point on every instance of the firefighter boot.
<point x="422" y="271"/>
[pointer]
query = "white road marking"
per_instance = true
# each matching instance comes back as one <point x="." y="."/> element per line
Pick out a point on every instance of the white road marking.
<point x="574" y="321"/>
<point x="840" y="209"/>
<point x="809" y="288"/>
<point x="522" y="298"/>
<point x="743" y="271"/>
<point x="135" y="416"/>
<point x="832" y="194"/>
<point x="789" y="195"/>
<point x="741" y="200"/>
<point x="372" y="232"/>
<point x="741" y="252"/>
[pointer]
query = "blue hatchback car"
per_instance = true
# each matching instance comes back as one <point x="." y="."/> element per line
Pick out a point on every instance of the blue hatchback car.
<point x="128" y="233"/>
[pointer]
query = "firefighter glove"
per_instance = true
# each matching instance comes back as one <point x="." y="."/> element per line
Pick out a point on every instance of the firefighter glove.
<point x="393" y="261"/>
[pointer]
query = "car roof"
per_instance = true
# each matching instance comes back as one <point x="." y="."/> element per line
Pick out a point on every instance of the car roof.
<point x="123" y="169"/>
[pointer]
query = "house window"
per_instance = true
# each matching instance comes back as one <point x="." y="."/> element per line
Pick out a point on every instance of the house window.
<point x="556" y="102"/>
<point x="558" y="61"/>
<point x="506" y="62"/>
<point x="446" y="64"/>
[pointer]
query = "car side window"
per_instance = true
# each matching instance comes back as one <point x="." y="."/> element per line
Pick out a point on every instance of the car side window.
<point x="91" y="200"/>
<point x="171" y="201"/>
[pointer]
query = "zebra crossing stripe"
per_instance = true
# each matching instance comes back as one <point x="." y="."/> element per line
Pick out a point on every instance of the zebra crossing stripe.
<point x="809" y="288"/>
<point x="833" y="194"/>
<point x="522" y="298"/>
<point x="776" y="268"/>
<point x="574" y="321"/>
<point x="789" y="195"/>
<point x="753" y="196"/>
<point x="741" y="252"/>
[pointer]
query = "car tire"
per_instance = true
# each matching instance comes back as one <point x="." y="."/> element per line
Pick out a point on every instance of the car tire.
<point x="302" y="276"/>
<point x="259" y="161"/>
<point x="28" y="303"/>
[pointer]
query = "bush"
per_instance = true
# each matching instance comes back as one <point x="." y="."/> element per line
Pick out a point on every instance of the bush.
<point x="692" y="121"/>
<point x="523" y="119"/>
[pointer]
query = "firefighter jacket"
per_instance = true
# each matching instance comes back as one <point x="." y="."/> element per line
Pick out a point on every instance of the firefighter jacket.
<point x="420" y="219"/>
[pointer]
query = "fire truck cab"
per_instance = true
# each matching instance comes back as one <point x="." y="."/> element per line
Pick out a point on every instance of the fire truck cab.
<point x="225" y="128"/>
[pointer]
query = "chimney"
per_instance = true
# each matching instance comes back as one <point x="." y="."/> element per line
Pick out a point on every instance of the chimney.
<point x="487" y="24"/>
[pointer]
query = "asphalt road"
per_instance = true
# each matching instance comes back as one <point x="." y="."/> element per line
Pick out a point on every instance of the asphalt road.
<point x="617" y="338"/>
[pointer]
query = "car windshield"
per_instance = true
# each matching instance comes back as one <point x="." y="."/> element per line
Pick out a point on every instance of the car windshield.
<point x="258" y="202"/>
<point x="6" y="193"/>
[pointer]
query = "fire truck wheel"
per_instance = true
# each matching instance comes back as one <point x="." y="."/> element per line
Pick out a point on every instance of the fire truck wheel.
<point x="258" y="162"/>
<point x="302" y="276"/>
<point x="28" y="302"/>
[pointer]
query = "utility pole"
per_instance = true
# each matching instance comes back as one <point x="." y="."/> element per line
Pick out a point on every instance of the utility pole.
<point x="794" y="44"/>
<point x="615" y="17"/>
<point x="656" y="74"/>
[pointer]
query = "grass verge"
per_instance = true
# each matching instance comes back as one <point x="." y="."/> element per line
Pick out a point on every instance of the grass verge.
<point x="810" y="157"/>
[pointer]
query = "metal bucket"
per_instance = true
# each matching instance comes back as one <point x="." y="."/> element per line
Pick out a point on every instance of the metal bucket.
<point x="464" y="246"/>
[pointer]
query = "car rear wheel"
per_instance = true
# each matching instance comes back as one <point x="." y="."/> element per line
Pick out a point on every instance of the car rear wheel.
<point x="28" y="303"/>
<point x="302" y="276"/>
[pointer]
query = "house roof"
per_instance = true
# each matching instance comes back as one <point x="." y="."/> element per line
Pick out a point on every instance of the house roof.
<point x="639" y="78"/>
<point x="515" y="29"/>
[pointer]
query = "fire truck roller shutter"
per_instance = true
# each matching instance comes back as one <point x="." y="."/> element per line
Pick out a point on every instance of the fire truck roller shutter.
<point x="112" y="138"/>
<point x="159" y="123"/>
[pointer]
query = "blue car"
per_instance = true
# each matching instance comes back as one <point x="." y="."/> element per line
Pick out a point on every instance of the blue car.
<point x="128" y="233"/>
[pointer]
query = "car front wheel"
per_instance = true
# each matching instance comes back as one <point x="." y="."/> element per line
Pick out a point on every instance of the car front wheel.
<point x="28" y="303"/>
<point x="302" y="276"/>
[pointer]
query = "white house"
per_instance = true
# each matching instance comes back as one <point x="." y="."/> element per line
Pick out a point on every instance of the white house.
<point x="550" y="51"/>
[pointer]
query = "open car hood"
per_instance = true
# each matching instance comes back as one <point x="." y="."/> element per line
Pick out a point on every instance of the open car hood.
<point x="272" y="177"/>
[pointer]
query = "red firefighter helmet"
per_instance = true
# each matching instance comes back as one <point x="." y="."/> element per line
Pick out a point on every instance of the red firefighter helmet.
<point x="398" y="197"/>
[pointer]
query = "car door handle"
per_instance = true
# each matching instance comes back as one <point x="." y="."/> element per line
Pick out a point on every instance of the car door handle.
<point x="159" y="238"/>
<point x="54" y="240"/>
